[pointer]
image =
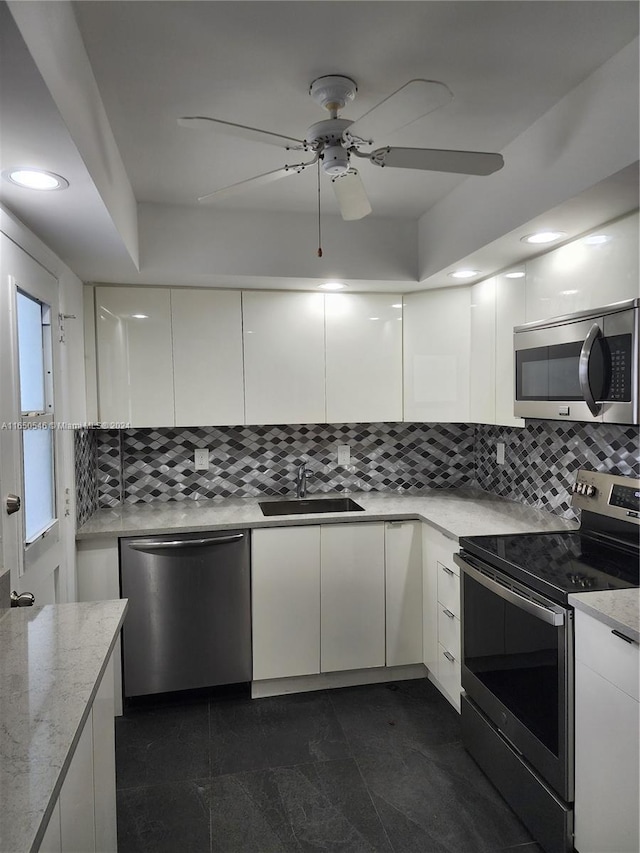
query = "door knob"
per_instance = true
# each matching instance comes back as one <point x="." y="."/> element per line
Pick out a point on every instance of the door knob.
<point x="22" y="599"/>
<point x="13" y="504"/>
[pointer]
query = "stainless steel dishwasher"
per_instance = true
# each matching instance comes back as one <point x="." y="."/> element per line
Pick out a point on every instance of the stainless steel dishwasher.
<point x="189" y="619"/>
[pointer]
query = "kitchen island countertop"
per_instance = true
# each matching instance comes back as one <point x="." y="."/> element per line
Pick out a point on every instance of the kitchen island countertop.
<point x="454" y="512"/>
<point x="52" y="659"/>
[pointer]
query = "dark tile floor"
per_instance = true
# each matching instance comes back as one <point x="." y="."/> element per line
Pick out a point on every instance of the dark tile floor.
<point x="357" y="770"/>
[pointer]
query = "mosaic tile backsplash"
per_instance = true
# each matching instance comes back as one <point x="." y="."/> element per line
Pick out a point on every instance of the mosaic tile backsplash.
<point x="143" y="465"/>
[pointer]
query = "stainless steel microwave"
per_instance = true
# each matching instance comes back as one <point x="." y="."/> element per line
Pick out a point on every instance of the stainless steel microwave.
<point x="579" y="367"/>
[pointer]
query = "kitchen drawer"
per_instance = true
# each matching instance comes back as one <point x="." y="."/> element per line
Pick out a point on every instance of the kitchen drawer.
<point x="449" y="674"/>
<point x="449" y="589"/>
<point x="449" y="631"/>
<point x="610" y="656"/>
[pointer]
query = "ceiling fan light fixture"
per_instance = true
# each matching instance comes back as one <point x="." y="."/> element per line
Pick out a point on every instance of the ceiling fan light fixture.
<point x="335" y="160"/>
<point x="333" y="91"/>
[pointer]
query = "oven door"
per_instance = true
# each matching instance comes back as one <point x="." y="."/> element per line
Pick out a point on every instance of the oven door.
<point x="517" y="666"/>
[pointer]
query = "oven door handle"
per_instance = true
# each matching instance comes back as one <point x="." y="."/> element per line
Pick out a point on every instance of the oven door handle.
<point x="545" y="614"/>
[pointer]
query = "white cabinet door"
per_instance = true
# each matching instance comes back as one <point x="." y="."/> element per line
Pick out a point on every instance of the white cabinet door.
<point x="403" y="581"/>
<point x="284" y="357"/>
<point x="104" y="763"/>
<point x="285" y="569"/>
<point x="510" y="312"/>
<point x="606" y="786"/>
<point x="364" y="357"/>
<point x="352" y="597"/>
<point x="135" y="364"/>
<point x="77" y="798"/>
<point x="482" y="389"/>
<point x="436" y="355"/>
<point x="207" y="357"/>
<point x="607" y="739"/>
<point x="595" y="270"/>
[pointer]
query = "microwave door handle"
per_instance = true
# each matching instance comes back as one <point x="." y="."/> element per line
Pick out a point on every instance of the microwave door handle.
<point x="583" y="369"/>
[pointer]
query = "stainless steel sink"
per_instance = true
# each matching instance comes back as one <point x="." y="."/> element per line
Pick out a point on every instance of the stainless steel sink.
<point x="309" y="505"/>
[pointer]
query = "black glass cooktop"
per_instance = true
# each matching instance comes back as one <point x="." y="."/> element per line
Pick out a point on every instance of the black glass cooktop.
<point x="557" y="564"/>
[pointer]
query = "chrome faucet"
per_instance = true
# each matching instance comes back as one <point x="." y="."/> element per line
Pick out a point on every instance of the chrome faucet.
<point x="301" y="480"/>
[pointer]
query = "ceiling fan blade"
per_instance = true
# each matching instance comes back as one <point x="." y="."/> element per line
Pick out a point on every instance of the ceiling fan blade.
<point x="410" y="102"/>
<point x="258" y="180"/>
<point x="438" y="160"/>
<point x="253" y="134"/>
<point x="351" y="195"/>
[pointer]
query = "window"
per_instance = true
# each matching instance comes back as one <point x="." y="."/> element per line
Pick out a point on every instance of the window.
<point x="36" y="407"/>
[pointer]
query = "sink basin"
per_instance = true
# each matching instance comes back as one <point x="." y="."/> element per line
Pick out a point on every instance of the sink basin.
<point x="299" y="506"/>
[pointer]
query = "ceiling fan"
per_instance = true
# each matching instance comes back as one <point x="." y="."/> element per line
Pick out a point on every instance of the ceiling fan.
<point x="335" y="141"/>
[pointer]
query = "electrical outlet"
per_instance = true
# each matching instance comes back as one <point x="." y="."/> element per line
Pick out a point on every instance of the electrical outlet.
<point x="500" y="452"/>
<point x="201" y="459"/>
<point x="344" y="454"/>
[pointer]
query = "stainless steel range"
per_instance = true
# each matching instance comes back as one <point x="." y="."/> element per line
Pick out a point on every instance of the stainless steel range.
<point x="517" y="647"/>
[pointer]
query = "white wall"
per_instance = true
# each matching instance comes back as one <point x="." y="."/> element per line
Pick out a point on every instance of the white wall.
<point x="180" y="245"/>
<point x="587" y="136"/>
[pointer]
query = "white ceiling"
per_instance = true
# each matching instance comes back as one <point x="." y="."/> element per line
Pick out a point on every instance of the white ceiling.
<point x="507" y="63"/>
<point x="252" y="63"/>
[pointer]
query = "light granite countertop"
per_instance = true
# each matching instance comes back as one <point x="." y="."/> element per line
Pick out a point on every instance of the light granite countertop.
<point x="51" y="662"/>
<point x="454" y="512"/>
<point x="619" y="608"/>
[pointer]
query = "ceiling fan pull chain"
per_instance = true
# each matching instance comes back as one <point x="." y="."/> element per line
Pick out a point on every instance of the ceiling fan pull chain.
<point x="319" y="225"/>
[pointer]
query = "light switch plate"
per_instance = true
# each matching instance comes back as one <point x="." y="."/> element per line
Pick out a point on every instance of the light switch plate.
<point x="201" y="459"/>
<point x="500" y="452"/>
<point x="344" y="454"/>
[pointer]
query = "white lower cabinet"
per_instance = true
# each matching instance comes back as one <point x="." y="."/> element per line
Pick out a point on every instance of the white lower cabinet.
<point x="441" y="613"/>
<point x="607" y="724"/>
<point x="403" y="584"/>
<point x="285" y="566"/>
<point x="84" y="816"/>
<point x="336" y="597"/>
<point x="352" y="592"/>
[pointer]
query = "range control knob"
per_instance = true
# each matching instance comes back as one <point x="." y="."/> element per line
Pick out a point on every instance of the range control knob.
<point x="574" y="488"/>
<point x="591" y="491"/>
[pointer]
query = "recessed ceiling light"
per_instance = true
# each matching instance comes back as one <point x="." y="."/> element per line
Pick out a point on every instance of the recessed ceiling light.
<point x="514" y="275"/>
<point x="568" y="292"/>
<point x="596" y="239"/>
<point x="374" y="318"/>
<point x="35" y="179"/>
<point x="332" y="285"/>
<point x="397" y="305"/>
<point x="464" y="273"/>
<point x="140" y="316"/>
<point x="543" y="237"/>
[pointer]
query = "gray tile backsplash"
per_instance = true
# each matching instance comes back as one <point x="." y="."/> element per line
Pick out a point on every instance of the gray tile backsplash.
<point x="143" y="465"/>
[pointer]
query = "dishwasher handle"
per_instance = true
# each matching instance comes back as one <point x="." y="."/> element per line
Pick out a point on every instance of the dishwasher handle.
<point x="151" y="544"/>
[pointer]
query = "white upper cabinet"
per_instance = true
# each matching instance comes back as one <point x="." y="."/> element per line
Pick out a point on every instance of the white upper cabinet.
<point x="436" y="355"/>
<point x="364" y="357"/>
<point x="510" y="312"/>
<point x="207" y="357"/>
<point x="497" y="305"/>
<point x="284" y="357"/>
<point x="135" y="365"/>
<point x="595" y="270"/>
<point x="482" y="388"/>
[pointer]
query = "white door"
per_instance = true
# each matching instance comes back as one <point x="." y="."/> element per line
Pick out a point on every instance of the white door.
<point x="29" y="442"/>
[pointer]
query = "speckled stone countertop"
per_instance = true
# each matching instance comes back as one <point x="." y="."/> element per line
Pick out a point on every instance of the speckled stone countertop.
<point x="619" y="608"/>
<point x="51" y="662"/>
<point x="455" y="512"/>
